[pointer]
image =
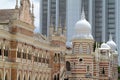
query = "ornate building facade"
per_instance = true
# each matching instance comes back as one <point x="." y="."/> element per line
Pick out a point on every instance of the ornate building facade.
<point x="25" y="55"/>
<point x="87" y="60"/>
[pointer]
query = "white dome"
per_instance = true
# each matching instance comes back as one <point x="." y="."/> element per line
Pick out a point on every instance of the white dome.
<point x="83" y="27"/>
<point x="111" y="43"/>
<point x="69" y="44"/>
<point x="105" y="46"/>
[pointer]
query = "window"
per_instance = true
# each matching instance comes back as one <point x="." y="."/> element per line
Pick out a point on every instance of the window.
<point x="29" y="78"/>
<point x="35" y="58"/>
<point x="80" y="60"/>
<point x="55" y="77"/>
<point x="0" y="77"/>
<point x="29" y="56"/>
<point x="18" y="54"/>
<point x="24" y="55"/>
<point x="80" y="49"/>
<point x="24" y="77"/>
<point x="19" y="77"/>
<point x="0" y="52"/>
<point x="55" y="57"/>
<point x="88" y="49"/>
<point x="6" y="78"/>
<point x="58" y="77"/>
<point x="88" y="68"/>
<point x="103" y="70"/>
<point x="39" y="59"/>
<point x="36" y="78"/>
<point x="68" y="66"/>
<point x="6" y="52"/>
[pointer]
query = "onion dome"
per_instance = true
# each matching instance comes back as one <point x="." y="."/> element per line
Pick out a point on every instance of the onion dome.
<point x="83" y="28"/>
<point x="111" y="43"/>
<point x="105" y="46"/>
<point x="69" y="44"/>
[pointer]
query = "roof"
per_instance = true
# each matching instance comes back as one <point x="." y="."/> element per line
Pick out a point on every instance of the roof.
<point x="8" y="14"/>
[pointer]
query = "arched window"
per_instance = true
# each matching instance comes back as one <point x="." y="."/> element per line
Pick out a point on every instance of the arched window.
<point x="59" y="57"/>
<point x="88" y="68"/>
<point x="0" y="76"/>
<point x="68" y="66"/>
<point x="80" y="49"/>
<point x="0" y="50"/>
<point x="19" y="77"/>
<point x="55" y="57"/>
<point x="18" y="53"/>
<point x="55" y="77"/>
<point x="24" y="77"/>
<point x="103" y="70"/>
<point x="24" y="55"/>
<point x="6" y="51"/>
<point x="36" y="78"/>
<point x="88" y="49"/>
<point x="40" y="78"/>
<point x="6" y="77"/>
<point x="29" y="78"/>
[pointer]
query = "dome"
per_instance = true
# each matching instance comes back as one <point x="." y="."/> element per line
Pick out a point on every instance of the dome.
<point x="69" y="44"/>
<point x="105" y="46"/>
<point x="111" y="43"/>
<point x="83" y="27"/>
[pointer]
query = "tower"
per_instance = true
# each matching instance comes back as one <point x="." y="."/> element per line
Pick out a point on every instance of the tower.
<point x="79" y="64"/>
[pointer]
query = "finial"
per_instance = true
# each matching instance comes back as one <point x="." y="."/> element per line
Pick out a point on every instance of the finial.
<point x="83" y="13"/>
<point x="65" y="25"/>
<point x="96" y="45"/>
<point x="110" y="36"/>
<point x="51" y="22"/>
<point x="16" y="4"/>
<point x="32" y="8"/>
<point x="60" y="22"/>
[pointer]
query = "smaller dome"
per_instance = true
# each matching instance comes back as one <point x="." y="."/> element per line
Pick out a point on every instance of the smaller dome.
<point x="69" y="44"/>
<point x="105" y="46"/>
<point x="111" y="43"/>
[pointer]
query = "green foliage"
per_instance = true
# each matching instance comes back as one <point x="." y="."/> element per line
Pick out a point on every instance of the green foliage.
<point x="118" y="69"/>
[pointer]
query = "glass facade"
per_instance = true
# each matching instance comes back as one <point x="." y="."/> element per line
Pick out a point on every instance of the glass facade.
<point x="52" y="13"/>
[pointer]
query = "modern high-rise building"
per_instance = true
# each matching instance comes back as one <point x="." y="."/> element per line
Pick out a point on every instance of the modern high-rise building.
<point x="52" y="12"/>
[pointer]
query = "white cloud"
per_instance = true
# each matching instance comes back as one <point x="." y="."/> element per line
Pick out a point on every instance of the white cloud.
<point x="10" y="4"/>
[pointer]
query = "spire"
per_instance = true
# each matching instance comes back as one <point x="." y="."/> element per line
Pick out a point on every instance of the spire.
<point x="60" y="25"/>
<point x="16" y="7"/>
<point x="51" y="22"/>
<point x="83" y="14"/>
<point x="32" y="8"/>
<point x="110" y="36"/>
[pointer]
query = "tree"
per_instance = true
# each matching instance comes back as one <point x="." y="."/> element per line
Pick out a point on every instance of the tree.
<point x="118" y="69"/>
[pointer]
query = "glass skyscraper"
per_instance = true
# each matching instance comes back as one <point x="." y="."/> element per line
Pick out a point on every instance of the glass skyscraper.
<point x="52" y="11"/>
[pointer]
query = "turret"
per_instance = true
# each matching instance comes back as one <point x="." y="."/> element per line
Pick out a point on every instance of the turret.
<point x="83" y="40"/>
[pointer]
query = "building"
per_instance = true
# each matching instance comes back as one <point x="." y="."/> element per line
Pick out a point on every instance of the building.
<point x="52" y="11"/>
<point x="102" y="14"/>
<point x="25" y="55"/>
<point x="83" y="61"/>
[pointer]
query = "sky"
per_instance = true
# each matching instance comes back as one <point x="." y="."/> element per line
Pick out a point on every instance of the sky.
<point x="10" y="4"/>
